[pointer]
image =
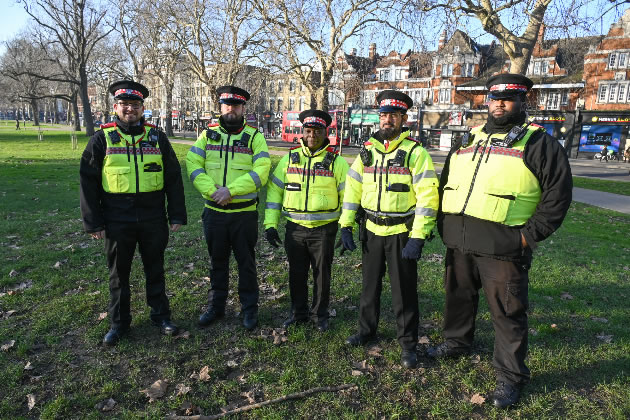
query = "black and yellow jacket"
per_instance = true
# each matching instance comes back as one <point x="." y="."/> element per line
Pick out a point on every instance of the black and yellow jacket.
<point x="119" y="182"/>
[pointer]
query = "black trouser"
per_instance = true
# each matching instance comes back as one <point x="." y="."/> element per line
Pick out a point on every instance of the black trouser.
<point x="505" y="286"/>
<point x="403" y="276"/>
<point x="310" y="247"/>
<point x="226" y="232"/>
<point x="120" y="245"/>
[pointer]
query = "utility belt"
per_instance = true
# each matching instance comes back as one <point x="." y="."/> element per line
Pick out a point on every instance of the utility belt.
<point x="389" y="221"/>
<point x="232" y="206"/>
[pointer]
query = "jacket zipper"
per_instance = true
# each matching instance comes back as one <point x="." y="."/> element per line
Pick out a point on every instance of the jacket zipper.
<point x="135" y="162"/>
<point x="227" y="147"/>
<point x="472" y="182"/>
<point x="308" y="182"/>
<point x="380" y="182"/>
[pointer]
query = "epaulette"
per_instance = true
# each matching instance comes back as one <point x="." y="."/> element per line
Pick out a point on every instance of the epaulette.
<point x="146" y="124"/>
<point x="413" y="139"/>
<point x="251" y="126"/>
<point x="536" y="125"/>
<point x="367" y="143"/>
<point x="213" y="125"/>
<point x="332" y="150"/>
<point x="296" y="147"/>
<point x="108" y="125"/>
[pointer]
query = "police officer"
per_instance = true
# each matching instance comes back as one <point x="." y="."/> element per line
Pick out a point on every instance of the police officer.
<point x="228" y="164"/>
<point x="308" y="186"/>
<point x="505" y="187"/>
<point x="394" y="182"/>
<point x="127" y="170"/>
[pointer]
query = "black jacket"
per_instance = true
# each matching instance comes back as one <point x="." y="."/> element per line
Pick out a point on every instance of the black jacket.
<point x="99" y="208"/>
<point x="547" y="160"/>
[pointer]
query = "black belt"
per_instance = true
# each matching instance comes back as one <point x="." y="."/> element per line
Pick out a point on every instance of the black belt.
<point x="389" y="221"/>
<point x="232" y="206"/>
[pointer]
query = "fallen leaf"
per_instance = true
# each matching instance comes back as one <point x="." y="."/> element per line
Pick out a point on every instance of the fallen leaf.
<point x="356" y="372"/>
<point x="554" y="326"/>
<point x="357" y="266"/>
<point x="7" y="313"/>
<point x="602" y="320"/>
<point x="189" y="267"/>
<point x="332" y="313"/>
<point x="203" y="375"/>
<point x="605" y="338"/>
<point x="58" y="264"/>
<point x="424" y="340"/>
<point x="183" y="334"/>
<point x="565" y="296"/>
<point x="156" y="390"/>
<point x="475" y="359"/>
<point x="232" y="363"/>
<point x="375" y="351"/>
<point x="361" y="365"/>
<point x="181" y="389"/>
<point x="477" y="399"/>
<point x="102" y="316"/>
<point x="106" y="405"/>
<point x="30" y="400"/>
<point x="250" y="395"/>
<point x="28" y="366"/>
<point x="96" y="292"/>
<point x="7" y="345"/>
<point x="36" y="378"/>
<point x="13" y="273"/>
<point x="533" y="331"/>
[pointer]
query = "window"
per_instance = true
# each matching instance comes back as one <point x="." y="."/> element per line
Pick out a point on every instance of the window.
<point x="456" y="49"/>
<point x="302" y="103"/>
<point x="445" y="96"/>
<point x="612" y="95"/>
<point x="542" y="98"/>
<point x="621" y="96"/>
<point x="470" y="69"/>
<point x="622" y="60"/>
<point x="398" y="74"/>
<point x="280" y="85"/>
<point x="544" y="67"/>
<point x="612" y="60"/>
<point x="564" y="98"/>
<point x="537" y="67"/>
<point x="384" y="75"/>
<point x="279" y="104"/>
<point x="291" y="85"/>
<point x="291" y="103"/>
<point x="553" y="100"/>
<point x="444" y="70"/>
<point x="272" y="104"/>
<point x="450" y="69"/>
<point x="272" y="85"/>
<point x="603" y="93"/>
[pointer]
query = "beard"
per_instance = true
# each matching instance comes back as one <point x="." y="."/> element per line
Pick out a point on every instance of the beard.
<point x="232" y="118"/>
<point x="390" y="133"/>
<point x="512" y="118"/>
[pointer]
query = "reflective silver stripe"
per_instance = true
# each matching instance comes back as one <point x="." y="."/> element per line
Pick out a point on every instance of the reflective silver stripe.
<point x="425" y="211"/>
<point x="312" y="216"/>
<point x="196" y="173"/>
<point x="256" y="179"/>
<point x="384" y="214"/>
<point x="341" y="186"/>
<point x="260" y="155"/>
<point x="426" y="174"/>
<point x="274" y="206"/>
<point x="354" y="174"/>
<point x="198" y="151"/>
<point x="350" y="206"/>
<point x="277" y="181"/>
<point x="246" y="196"/>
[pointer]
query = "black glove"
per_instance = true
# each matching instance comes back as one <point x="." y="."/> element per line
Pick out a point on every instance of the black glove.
<point x="347" y="240"/>
<point x="271" y="235"/>
<point x="413" y="249"/>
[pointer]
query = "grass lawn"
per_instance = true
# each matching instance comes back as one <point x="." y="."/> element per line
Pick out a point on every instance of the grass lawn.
<point x="615" y="187"/>
<point x="54" y="288"/>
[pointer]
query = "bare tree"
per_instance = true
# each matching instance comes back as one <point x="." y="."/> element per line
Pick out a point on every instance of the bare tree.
<point x="515" y="23"/>
<point x="75" y="27"/>
<point x="310" y="34"/>
<point x="127" y="24"/>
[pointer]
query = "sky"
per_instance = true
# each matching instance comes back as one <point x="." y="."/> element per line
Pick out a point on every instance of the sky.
<point x="14" y="19"/>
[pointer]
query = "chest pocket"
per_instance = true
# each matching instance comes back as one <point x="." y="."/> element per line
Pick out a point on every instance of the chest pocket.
<point x="154" y="176"/>
<point x="117" y="179"/>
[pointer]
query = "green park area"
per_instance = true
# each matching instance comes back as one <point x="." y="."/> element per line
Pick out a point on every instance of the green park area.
<point x="54" y="297"/>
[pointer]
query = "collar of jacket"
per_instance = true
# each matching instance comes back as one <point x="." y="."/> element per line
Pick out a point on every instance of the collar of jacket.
<point x="307" y="151"/>
<point x="393" y="144"/>
<point x="231" y="128"/>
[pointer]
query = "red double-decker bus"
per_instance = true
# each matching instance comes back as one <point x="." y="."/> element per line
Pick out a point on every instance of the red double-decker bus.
<point x="292" y="127"/>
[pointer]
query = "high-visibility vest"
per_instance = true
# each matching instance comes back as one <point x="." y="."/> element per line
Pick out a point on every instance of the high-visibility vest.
<point x="132" y="163"/>
<point x="490" y="181"/>
<point x="306" y="188"/>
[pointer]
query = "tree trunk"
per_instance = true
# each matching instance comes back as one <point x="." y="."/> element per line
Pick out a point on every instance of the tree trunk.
<point x="75" y="112"/>
<point x="35" y="108"/>
<point x="85" y="100"/>
<point x="168" y="123"/>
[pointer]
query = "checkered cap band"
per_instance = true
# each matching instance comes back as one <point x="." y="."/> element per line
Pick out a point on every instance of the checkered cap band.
<point x="508" y="87"/>
<point x="393" y="103"/>
<point x="232" y="96"/>
<point x="128" y="92"/>
<point x="314" y="120"/>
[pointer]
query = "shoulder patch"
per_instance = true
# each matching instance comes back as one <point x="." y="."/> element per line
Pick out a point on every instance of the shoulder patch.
<point x="146" y="124"/>
<point x="536" y="125"/>
<point x="296" y="147"/>
<point x="251" y="126"/>
<point x="108" y="125"/>
<point x="413" y="139"/>
<point x="367" y="143"/>
<point x="213" y="125"/>
<point x="332" y="150"/>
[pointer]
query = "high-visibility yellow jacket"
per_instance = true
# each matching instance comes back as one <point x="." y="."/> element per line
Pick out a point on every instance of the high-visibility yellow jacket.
<point x="132" y="163"/>
<point x="239" y="161"/>
<point x="479" y="185"/>
<point x="307" y="187"/>
<point x="396" y="189"/>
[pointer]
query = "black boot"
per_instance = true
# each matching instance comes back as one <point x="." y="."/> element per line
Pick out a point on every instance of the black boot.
<point x="409" y="359"/>
<point x="113" y="335"/>
<point x="505" y="394"/>
<point x="250" y="320"/>
<point x="209" y="316"/>
<point x="359" y="340"/>
<point x="167" y="327"/>
<point x="293" y="320"/>
<point x="443" y="351"/>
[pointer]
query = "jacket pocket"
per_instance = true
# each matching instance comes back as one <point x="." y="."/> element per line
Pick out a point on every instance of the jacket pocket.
<point x="497" y="203"/>
<point x="117" y="178"/>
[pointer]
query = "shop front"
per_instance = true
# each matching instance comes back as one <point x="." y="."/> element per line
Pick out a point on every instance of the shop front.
<point x="599" y="129"/>
<point x="560" y="125"/>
